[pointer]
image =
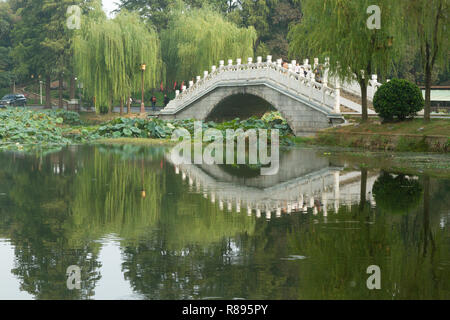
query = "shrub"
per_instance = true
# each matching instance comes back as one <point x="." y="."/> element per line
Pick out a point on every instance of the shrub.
<point x="398" y="99"/>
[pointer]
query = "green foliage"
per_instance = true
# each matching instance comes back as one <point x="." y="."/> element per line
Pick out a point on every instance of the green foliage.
<point x="7" y="19"/>
<point x="337" y="29"/>
<point x="196" y="39"/>
<point x="427" y="29"/>
<point x="161" y="129"/>
<point x="397" y="194"/>
<point x="26" y="130"/>
<point x="398" y="99"/>
<point x="69" y="117"/>
<point x="109" y="53"/>
<point x="271" y="19"/>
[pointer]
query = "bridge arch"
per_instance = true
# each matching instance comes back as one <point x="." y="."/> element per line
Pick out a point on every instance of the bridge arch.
<point x="239" y="105"/>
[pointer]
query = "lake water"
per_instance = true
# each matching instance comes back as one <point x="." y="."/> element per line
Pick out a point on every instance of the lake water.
<point x="139" y="227"/>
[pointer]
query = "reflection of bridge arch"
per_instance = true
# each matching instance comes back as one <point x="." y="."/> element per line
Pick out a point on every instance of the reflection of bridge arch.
<point x="316" y="186"/>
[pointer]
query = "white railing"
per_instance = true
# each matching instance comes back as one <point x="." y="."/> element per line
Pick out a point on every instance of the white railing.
<point x="286" y="79"/>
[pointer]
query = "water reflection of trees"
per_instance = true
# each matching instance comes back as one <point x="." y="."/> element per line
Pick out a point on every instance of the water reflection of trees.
<point x="176" y="244"/>
<point x="60" y="205"/>
<point x="308" y="257"/>
<point x="37" y="220"/>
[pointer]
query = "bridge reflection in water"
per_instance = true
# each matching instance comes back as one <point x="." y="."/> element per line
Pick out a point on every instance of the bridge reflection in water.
<point x="305" y="182"/>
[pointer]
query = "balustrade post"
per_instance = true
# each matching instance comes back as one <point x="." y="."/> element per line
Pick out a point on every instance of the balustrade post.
<point x="230" y="62"/>
<point x="269" y="59"/>
<point x="205" y="74"/>
<point x="213" y="69"/>
<point x="337" y="102"/>
<point x="177" y="92"/>
<point x="336" y="191"/>
<point x="259" y="59"/>
<point x="306" y="65"/>
<point x="249" y="60"/>
<point x="221" y="63"/>
<point x="191" y="83"/>
<point x="238" y="61"/>
<point x="278" y="212"/>
<point x="316" y="62"/>
<point x="197" y="78"/>
<point x="374" y="83"/>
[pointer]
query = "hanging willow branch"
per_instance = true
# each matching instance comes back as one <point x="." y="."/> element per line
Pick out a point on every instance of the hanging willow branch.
<point x="196" y="39"/>
<point x="108" y="55"/>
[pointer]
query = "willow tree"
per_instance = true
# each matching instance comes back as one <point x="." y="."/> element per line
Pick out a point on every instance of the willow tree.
<point x="429" y="30"/>
<point x="343" y="31"/>
<point x="196" y="39"/>
<point x="109" y="53"/>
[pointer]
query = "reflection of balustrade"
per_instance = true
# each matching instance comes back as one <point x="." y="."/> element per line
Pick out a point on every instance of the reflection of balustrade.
<point x="320" y="191"/>
<point x="294" y="83"/>
<point x="298" y="195"/>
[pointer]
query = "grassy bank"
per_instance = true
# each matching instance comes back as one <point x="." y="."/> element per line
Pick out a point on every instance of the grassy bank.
<point x="412" y="135"/>
<point x="434" y="165"/>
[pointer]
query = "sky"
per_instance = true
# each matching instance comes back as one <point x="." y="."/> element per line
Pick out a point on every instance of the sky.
<point x="109" y="5"/>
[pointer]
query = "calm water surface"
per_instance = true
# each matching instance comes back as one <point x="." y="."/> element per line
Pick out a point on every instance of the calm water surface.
<point x="141" y="228"/>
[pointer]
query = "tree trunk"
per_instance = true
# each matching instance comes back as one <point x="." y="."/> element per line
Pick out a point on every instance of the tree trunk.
<point x="363" y="188"/>
<point x="427" y="111"/>
<point x="48" y="98"/>
<point x="364" y="114"/>
<point x="110" y="106"/>
<point x="129" y="105"/>
<point x="121" y="106"/>
<point x="426" y="213"/>
<point x="60" y="88"/>
<point x="72" y="88"/>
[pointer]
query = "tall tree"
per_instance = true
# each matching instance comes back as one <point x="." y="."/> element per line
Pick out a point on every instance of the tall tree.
<point x="339" y="29"/>
<point x="158" y="12"/>
<point x="109" y="53"/>
<point x="7" y="21"/>
<point x="196" y="39"/>
<point x="41" y="40"/>
<point x="429" y="25"/>
<point x="271" y="19"/>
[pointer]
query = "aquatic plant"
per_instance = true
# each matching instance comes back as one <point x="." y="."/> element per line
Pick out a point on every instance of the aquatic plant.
<point x="22" y="129"/>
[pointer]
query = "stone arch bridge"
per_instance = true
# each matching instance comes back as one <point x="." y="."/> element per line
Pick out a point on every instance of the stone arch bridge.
<point x="239" y="90"/>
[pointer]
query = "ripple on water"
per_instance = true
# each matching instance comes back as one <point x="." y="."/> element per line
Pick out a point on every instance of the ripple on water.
<point x="294" y="257"/>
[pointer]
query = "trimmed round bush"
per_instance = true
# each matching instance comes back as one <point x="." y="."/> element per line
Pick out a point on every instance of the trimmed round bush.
<point x="398" y="99"/>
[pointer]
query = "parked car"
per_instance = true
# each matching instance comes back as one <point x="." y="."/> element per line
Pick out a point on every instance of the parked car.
<point x="14" y="100"/>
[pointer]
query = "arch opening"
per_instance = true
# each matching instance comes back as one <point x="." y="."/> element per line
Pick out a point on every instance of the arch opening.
<point x="242" y="106"/>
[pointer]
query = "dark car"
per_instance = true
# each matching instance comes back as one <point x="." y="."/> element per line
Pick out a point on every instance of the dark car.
<point x="14" y="100"/>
